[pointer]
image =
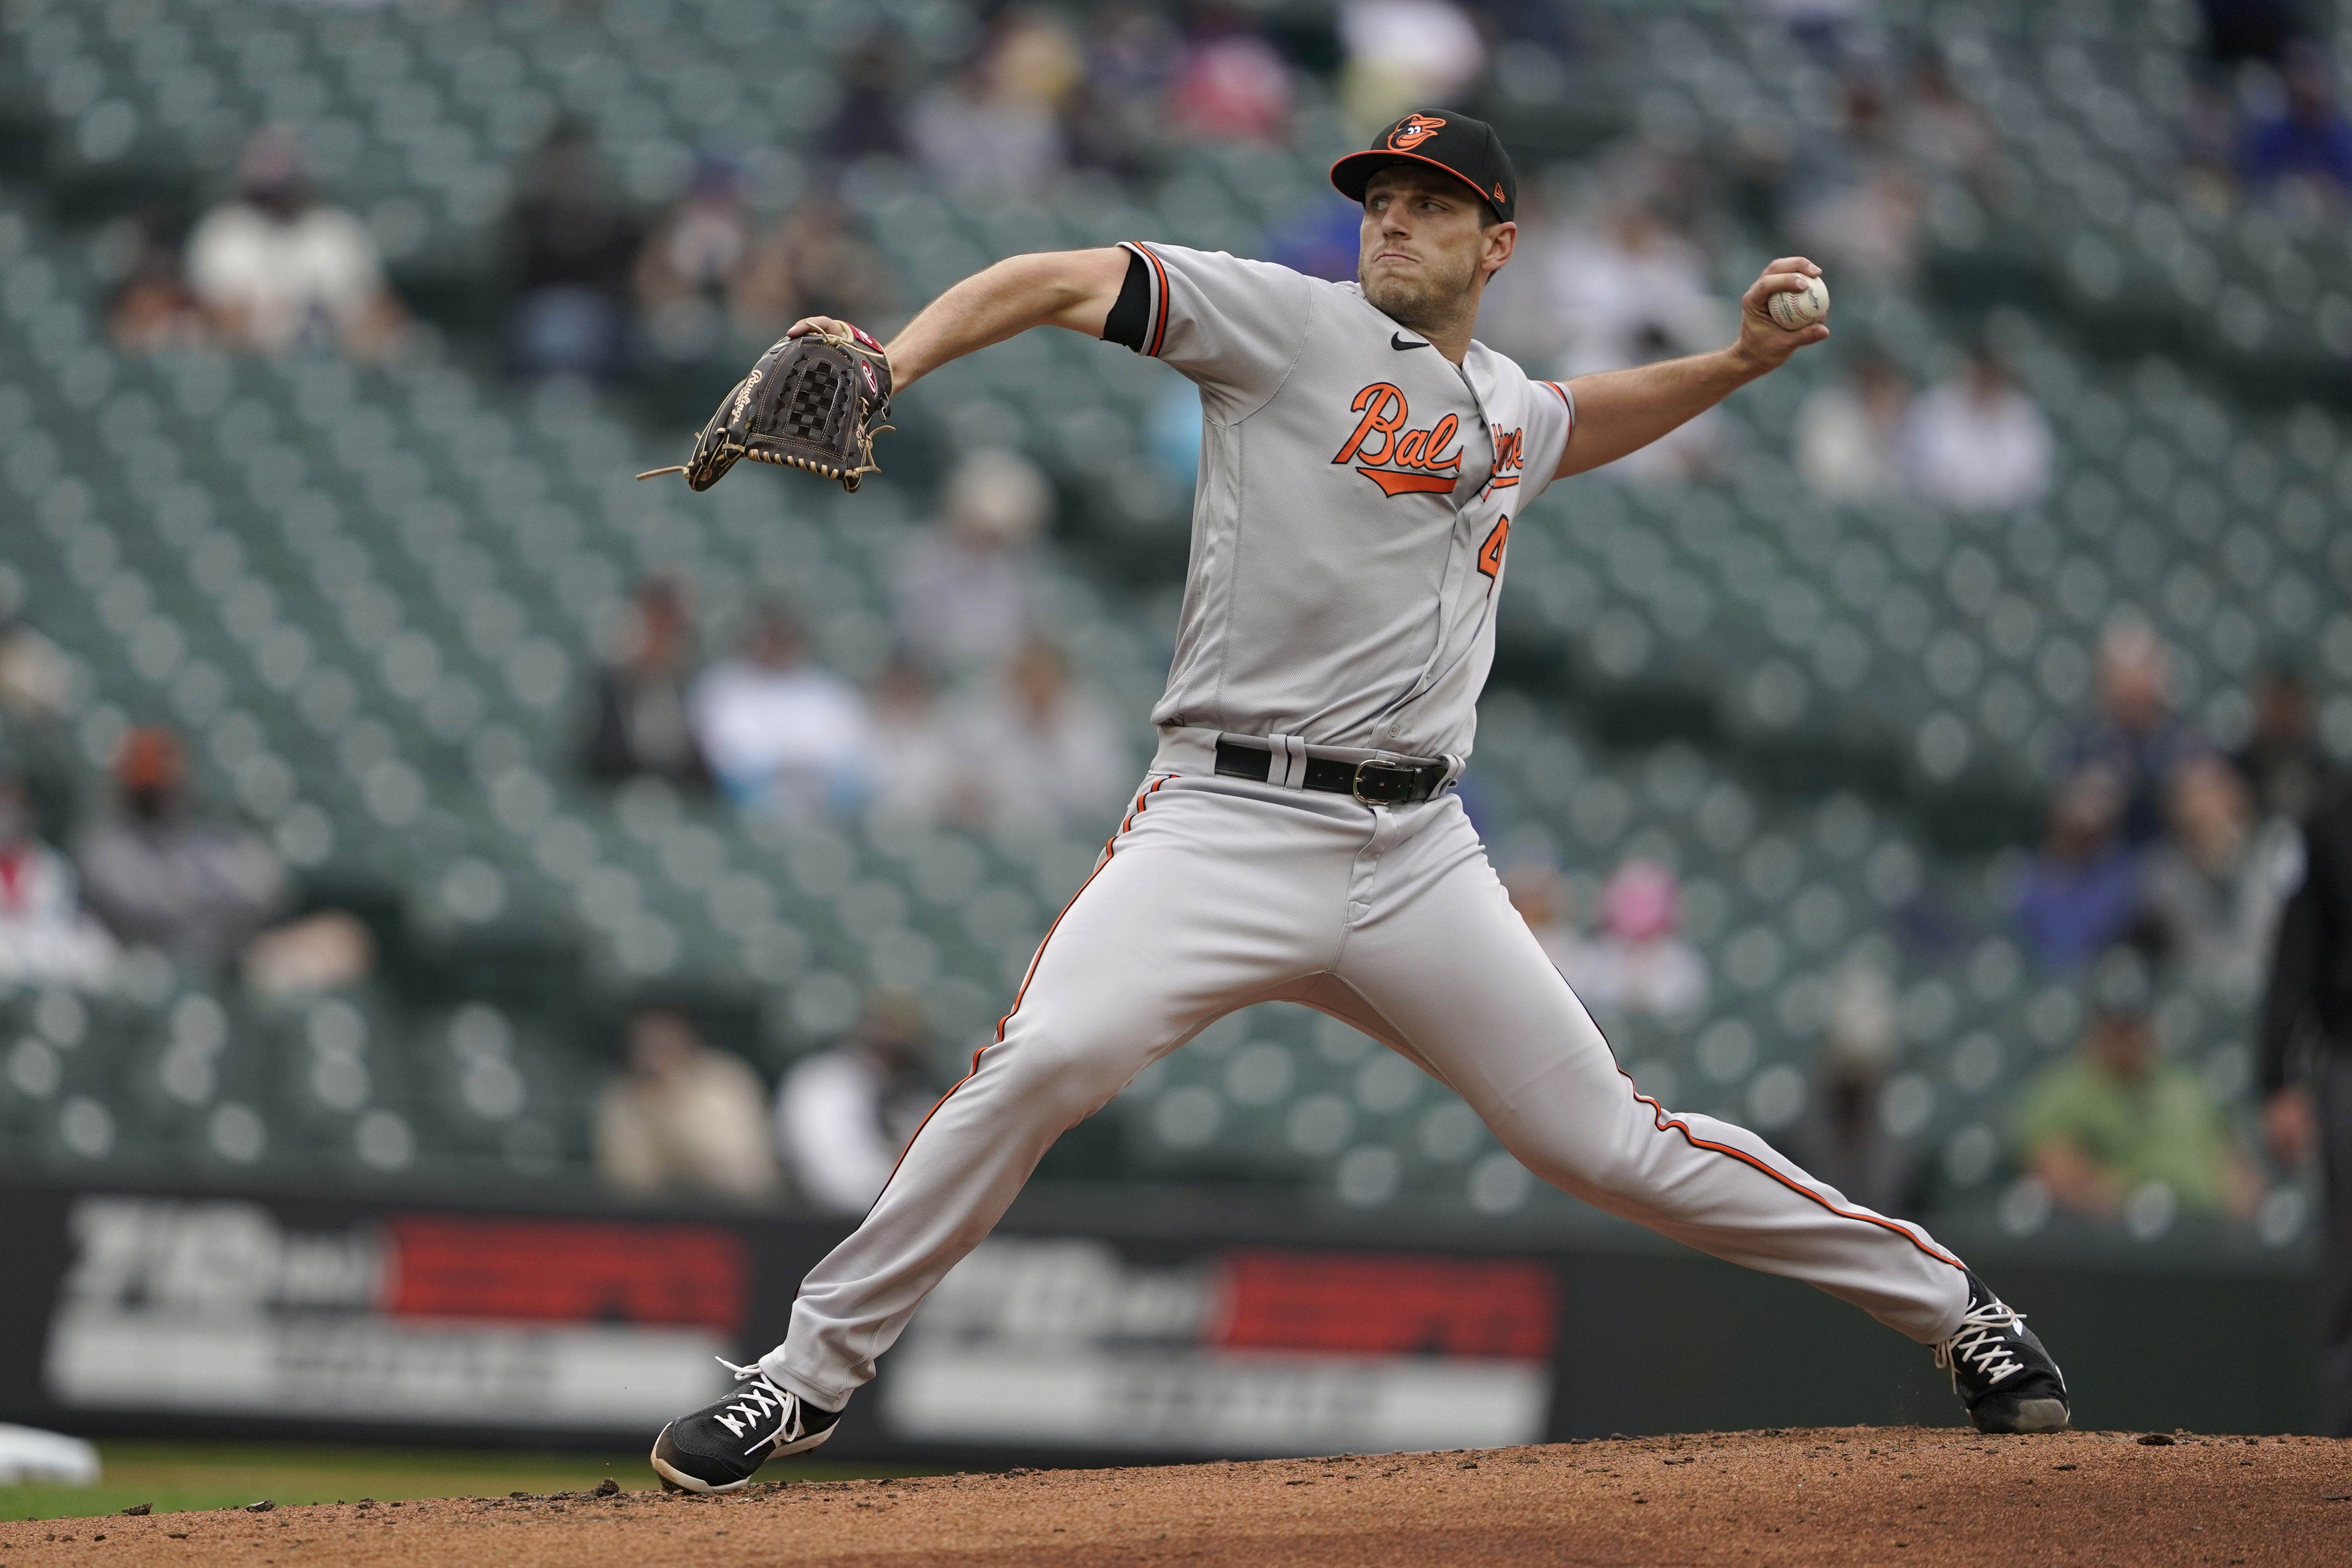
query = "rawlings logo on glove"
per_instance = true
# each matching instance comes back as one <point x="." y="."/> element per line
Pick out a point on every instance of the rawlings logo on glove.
<point x="814" y="403"/>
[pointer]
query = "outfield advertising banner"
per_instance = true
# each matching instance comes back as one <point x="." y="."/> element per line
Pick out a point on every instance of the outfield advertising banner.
<point x="200" y="1306"/>
<point x="1061" y="1340"/>
<point x="279" y="1315"/>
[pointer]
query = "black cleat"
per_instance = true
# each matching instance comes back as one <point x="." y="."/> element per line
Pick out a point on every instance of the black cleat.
<point x="718" y="1447"/>
<point x="1999" y="1369"/>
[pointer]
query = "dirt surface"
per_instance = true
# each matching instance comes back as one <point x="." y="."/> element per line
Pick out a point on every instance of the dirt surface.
<point x="1844" y="1495"/>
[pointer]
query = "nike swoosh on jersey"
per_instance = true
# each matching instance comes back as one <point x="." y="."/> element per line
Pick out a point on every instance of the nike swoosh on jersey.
<point x="1396" y="340"/>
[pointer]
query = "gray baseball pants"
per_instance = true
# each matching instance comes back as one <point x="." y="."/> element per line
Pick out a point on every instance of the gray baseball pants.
<point x="1217" y="893"/>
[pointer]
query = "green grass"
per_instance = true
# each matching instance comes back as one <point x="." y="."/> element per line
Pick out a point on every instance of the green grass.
<point x="177" y="1478"/>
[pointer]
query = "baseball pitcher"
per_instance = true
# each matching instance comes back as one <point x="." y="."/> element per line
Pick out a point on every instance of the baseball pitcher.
<point x="1298" y="837"/>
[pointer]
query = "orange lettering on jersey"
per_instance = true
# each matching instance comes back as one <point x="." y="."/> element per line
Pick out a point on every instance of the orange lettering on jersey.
<point x="1383" y="408"/>
<point x="1490" y="554"/>
<point x="1510" y="455"/>
<point x="1412" y="462"/>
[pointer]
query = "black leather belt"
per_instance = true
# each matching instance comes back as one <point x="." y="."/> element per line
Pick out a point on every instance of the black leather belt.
<point x="1374" y="782"/>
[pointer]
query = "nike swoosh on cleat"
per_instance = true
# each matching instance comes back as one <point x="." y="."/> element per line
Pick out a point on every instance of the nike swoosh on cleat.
<point x="1396" y="340"/>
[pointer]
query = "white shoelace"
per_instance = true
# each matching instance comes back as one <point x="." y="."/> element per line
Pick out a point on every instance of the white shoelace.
<point x="759" y="1402"/>
<point x="1982" y="1341"/>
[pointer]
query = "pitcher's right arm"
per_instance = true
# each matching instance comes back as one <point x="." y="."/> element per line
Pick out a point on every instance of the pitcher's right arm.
<point x="1071" y="288"/>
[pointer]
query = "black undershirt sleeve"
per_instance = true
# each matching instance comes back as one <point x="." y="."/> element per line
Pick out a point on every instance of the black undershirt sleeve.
<point x="1132" y="314"/>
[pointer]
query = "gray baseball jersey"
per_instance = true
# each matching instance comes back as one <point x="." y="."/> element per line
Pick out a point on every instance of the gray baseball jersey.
<point x="1348" y="539"/>
<point x="1356" y="496"/>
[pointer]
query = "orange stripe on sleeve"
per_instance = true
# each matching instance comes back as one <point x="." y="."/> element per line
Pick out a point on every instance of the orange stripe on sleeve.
<point x="1159" y="271"/>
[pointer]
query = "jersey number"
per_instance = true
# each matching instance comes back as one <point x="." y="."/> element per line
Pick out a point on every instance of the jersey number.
<point x="1490" y="554"/>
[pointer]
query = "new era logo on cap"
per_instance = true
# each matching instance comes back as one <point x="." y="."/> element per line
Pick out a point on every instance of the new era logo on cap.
<point x="1466" y="148"/>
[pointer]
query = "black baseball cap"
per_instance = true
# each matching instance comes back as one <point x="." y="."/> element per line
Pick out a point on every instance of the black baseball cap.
<point x="1464" y="148"/>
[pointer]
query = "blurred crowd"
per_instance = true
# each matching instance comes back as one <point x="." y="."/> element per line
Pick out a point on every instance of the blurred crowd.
<point x="977" y="718"/>
<point x="2165" y="860"/>
<point x="2166" y="866"/>
<point x="2157" y="840"/>
<point x="152" y="869"/>
<point x="684" y="1118"/>
<point x="2266" y="122"/>
<point x="602" y="284"/>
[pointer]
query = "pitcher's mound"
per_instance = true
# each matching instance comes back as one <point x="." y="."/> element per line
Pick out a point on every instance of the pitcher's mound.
<point x="1841" y="1495"/>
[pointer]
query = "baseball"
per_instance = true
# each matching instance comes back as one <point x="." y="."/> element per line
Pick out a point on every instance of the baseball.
<point x="1801" y="308"/>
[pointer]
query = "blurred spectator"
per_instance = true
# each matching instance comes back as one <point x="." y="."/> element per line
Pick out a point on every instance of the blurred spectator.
<point x="917" y="765"/>
<point x="1858" y="198"/>
<point x="869" y="121"/>
<point x="2134" y="737"/>
<point x="1232" y="85"/>
<point x="843" y="1114"/>
<point x="2083" y="888"/>
<point x="640" y="724"/>
<point x="2115" y="1118"/>
<point x="2306" y="1074"/>
<point x="1670" y="177"/>
<point x="1172" y="431"/>
<point x="157" y="875"/>
<point x="1827" y="29"/>
<point x="1043" y="752"/>
<point x="154" y="310"/>
<point x="1850" y="432"/>
<point x="2211" y="147"/>
<point x="966" y="586"/>
<point x="2281" y="760"/>
<point x="571" y="243"/>
<point x="2307" y="142"/>
<point x="45" y="939"/>
<point x="691" y="265"/>
<point x="2241" y="30"/>
<point x="274" y="267"/>
<point x="1546" y="901"/>
<point x="779" y="732"/>
<point x="36" y="676"/>
<point x="2213" y="890"/>
<point x="813" y="263"/>
<point x="1946" y="133"/>
<point x="151" y="310"/>
<point x="1321" y="239"/>
<point x="1978" y="440"/>
<point x="1691" y="452"/>
<point x="995" y="125"/>
<point x="1628" y="290"/>
<point x="682" y="1120"/>
<point x="1640" y="963"/>
<point x="330" y="951"/>
<point x="1403" y="54"/>
<point x="1522" y="312"/>
<point x="1840" y="1137"/>
<point x="1113" y="119"/>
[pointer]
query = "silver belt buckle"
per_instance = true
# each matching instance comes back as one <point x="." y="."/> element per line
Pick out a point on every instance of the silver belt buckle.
<point x="1392" y="784"/>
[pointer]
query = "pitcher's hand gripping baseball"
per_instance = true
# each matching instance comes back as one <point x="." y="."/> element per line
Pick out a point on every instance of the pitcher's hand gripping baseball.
<point x="814" y="402"/>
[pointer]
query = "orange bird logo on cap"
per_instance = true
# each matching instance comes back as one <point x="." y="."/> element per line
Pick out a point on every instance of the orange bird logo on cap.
<point x="1412" y="130"/>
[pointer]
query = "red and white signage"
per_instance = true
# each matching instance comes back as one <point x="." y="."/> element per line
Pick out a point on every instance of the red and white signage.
<point x="219" y="1308"/>
<point x="1251" y="1350"/>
